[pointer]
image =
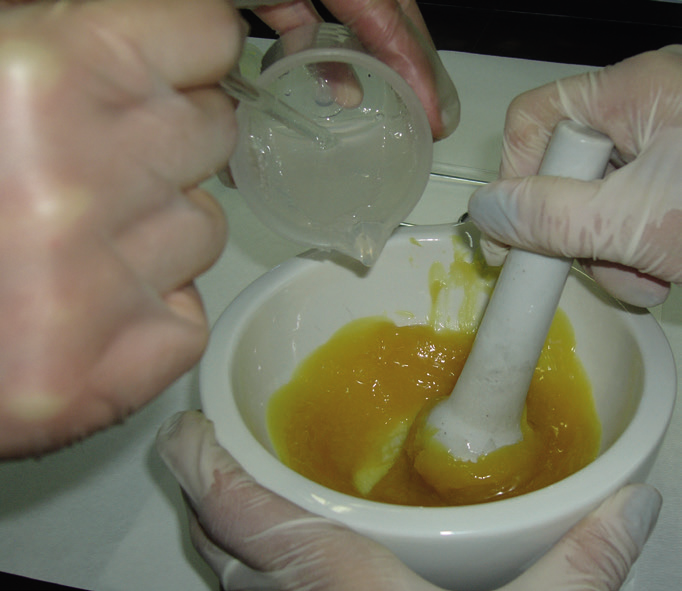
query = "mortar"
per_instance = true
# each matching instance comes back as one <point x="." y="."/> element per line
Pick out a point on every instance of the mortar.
<point x="284" y="315"/>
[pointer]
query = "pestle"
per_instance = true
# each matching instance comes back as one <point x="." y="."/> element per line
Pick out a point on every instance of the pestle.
<point x="484" y="411"/>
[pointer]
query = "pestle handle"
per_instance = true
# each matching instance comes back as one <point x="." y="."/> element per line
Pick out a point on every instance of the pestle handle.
<point x="485" y="408"/>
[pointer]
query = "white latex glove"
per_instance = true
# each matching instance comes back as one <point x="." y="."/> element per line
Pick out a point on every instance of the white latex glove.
<point x="109" y="119"/>
<point x="232" y="516"/>
<point x="626" y="228"/>
<point x="393" y="31"/>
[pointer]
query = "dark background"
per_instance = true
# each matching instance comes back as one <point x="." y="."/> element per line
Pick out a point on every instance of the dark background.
<point x="591" y="33"/>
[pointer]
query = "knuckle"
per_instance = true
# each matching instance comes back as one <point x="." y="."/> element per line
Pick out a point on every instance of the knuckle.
<point x="601" y="553"/>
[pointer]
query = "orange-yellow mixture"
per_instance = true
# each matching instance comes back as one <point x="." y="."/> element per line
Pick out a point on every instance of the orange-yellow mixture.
<point x="350" y="417"/>
<point x="344" y="419"/>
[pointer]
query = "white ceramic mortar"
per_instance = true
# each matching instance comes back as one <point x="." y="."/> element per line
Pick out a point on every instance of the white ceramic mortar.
<point x="284" y="315"/>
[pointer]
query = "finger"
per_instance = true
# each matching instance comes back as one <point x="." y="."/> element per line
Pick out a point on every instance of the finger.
<point x="232" y="573"/>
<point x="169" y="144"/>
<point x="57" y="403"/>
<point x="533" y="115"/>
<point x="338" y="83"/>
<point x="395" y="34"/>
<point x="214" y="556"/>
<point x="628" y="285"/>
<point x="284" y="16"/>
<point x="598" y="552"/>
<point x="583" y="220"/>
<point x="495" y="252"/>
<point x="336" y="80"/>
<point x="187" y="444"/>
<point x="288" y="15"/>
<point x="550" y="215"/>
<point x="535" y="213"/>
<point x="169" y="335"/>
<point x="185" y="303"/>
<point x="623" y="283"/>
<point x="174" y="245"/>
<point x="183" y="138"/>
<point x="265" y="531"/>
<point x="188" y="43"/>
<point x="226" y="178"/>
<point x="603" y="100"/>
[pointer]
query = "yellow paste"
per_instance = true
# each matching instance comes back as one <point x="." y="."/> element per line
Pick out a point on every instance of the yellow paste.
<point x="344" y="420"/>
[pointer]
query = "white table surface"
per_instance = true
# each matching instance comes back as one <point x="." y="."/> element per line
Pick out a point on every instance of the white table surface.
<point x="105" y="515"/>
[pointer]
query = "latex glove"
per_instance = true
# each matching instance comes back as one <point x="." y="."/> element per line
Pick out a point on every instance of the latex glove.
<point x="109" y="119"/>
<point x="393" y="31"/>
<point x="232" y="516"/>
<point x="626" y="228"/>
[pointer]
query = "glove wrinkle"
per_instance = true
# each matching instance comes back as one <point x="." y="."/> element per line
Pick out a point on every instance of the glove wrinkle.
<point x="292" y="547"/>
<point x="629" y="221"/>
<point x="598" y="553"/>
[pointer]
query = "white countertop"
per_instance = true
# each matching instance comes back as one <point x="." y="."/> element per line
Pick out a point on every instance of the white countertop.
<point x="105" y="514"/>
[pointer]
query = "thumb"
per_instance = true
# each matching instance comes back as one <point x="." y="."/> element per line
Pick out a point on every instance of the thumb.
<point x="267" y="533"/>
<point x="600" y="550"/>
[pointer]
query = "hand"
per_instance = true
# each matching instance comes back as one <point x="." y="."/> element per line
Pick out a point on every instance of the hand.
<point x="626" y="228"/>
<point x="109" y="119"/>
<point x="232" y="516"/>
<point x="392" y="30"/>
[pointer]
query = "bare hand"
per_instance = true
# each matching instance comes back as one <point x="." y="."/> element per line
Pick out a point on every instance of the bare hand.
<point x="109" y="119"/>
<point x="395" y="32"/>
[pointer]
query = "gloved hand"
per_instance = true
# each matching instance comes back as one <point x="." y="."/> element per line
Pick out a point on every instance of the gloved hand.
<point x="394" y="32"/>
<point x="626" y="228"/>
<point x="232" y="516"/>
<point x="109" y="119"/>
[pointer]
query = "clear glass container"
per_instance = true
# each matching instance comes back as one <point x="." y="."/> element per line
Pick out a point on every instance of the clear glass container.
<point x="346" y="195"/>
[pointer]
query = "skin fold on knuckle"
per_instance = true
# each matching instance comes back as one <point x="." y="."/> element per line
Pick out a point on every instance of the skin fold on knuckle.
<point x="600" y="554"/>
<point x="226" y="511"/>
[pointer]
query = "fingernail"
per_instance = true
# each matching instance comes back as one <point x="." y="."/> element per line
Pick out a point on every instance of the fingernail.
<point x="349" y="93"/>
<point x="226" y="178"/>
<point x="449" y="120"/>
<point x="450" y="108"/>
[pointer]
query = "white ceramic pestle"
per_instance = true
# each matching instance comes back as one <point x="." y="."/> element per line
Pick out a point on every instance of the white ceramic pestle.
<point x="485" y="409"/>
